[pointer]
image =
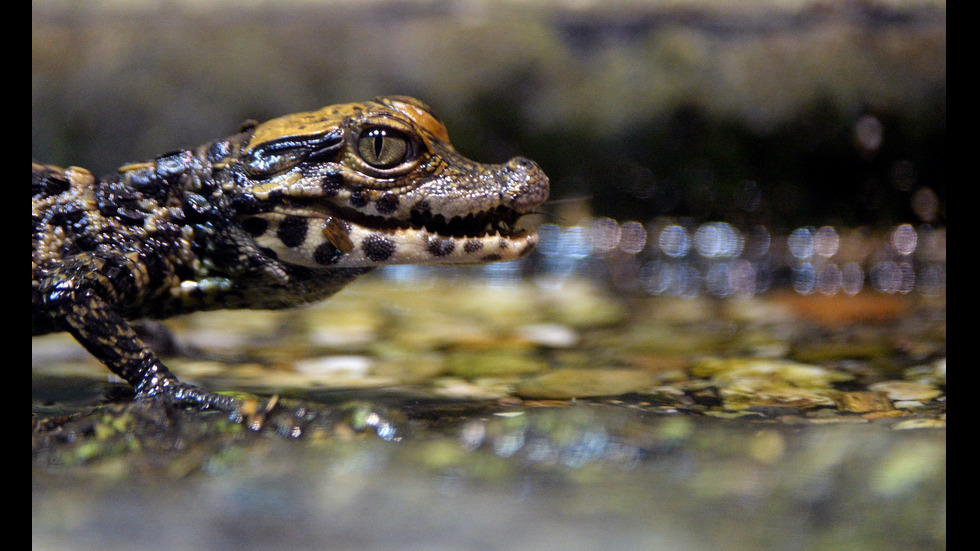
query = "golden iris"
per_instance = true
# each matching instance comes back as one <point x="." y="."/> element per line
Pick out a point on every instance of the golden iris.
<point x="383" y="147"/>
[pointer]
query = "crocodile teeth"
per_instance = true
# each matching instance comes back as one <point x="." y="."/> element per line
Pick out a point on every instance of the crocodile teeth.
<point x="500" y="220"/>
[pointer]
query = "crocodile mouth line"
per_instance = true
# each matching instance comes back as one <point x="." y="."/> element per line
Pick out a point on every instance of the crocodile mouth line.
<point x="501" y="221"/>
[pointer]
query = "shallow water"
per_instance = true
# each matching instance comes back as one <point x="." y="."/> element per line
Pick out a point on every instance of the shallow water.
<point x="466" y="438"/>
<point x="831" y="487"/>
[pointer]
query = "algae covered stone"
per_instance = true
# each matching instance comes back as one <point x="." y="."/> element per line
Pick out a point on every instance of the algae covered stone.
<point x="563" y="384"/>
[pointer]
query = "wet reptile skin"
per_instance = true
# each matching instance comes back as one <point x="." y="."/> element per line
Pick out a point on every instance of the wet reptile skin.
<point x="284" y="213"/>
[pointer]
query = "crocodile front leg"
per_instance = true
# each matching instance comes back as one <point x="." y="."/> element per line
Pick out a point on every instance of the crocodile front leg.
<point x="79" y="297"/>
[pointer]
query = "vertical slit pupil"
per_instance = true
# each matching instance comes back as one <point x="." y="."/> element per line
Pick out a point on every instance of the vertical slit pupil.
<point x="383" y="148"/>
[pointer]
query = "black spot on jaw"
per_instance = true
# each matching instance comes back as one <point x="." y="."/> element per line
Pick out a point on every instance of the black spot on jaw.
<point x="326" y="254"/>
<point x="332" y="183"/>
<point x="441" y="247"/>
<point x="292" y="231"/>
<point x="255" y="226"/>
<point x="357" y="199"/>
<point x="491" y="258"/>
<point x="378" y="248"/>
<point x="472" y="245"/>
<point x="387" y="204"/>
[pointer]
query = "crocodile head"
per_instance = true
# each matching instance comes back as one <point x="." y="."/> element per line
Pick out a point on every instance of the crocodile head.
<point x="377" y="183"/>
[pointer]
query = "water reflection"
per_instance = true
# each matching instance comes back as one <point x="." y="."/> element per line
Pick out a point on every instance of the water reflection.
<point x="681" y="258"/>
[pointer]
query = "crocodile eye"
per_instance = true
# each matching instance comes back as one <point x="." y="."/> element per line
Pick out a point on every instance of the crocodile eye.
<point x="383" y="147"/>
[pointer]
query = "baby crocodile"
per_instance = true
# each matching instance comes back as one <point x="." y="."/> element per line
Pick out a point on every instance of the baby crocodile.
<point x="283" y="213"/>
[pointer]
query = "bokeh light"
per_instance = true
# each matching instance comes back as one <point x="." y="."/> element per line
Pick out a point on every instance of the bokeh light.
<point x="674" y="241"/>
<point x="673" y="257"/>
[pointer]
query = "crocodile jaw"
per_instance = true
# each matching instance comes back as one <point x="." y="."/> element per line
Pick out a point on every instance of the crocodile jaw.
<point x="329" y="242"/>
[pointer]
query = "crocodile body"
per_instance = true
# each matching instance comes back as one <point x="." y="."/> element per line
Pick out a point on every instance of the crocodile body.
<point x="281" y="214"/>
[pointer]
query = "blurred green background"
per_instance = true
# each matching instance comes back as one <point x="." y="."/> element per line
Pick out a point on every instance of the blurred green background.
<point x="779" y="113"/>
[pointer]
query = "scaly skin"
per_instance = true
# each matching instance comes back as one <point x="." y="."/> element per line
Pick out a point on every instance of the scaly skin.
<point x="284" y="213"/>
